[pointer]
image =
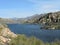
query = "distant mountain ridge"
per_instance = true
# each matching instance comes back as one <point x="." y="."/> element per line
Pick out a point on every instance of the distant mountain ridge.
<point x="41" y="18"/>
<point x="37" y="18"/>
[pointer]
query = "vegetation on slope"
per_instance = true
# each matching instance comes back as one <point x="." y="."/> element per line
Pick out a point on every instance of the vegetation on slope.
<point x="5" y="34"/>
<point x="9" y="38"/>
<point x="51" y="20"/>
<point x="48" y="20"/>
<point x="23" y="40"/>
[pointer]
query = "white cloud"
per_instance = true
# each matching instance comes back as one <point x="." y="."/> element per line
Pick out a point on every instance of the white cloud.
<point x="46" y="6"/>
<point x="39" y="6"/>
<point x="34" y="1"/>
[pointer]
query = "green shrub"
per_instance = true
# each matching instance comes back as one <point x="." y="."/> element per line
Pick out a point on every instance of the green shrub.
<point x="23" y="40"/>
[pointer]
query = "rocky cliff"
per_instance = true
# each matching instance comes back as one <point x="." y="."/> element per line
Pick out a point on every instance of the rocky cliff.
<point x="5" y="34"/>
<point x="51" y="20"/>
<point x="48" y="20"/>
<point x="53" y="17"/>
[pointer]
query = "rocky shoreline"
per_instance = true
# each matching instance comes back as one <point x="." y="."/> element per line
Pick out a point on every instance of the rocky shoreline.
<point x="5" y="35"/>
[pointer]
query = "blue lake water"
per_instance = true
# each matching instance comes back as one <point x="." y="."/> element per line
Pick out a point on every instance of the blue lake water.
<point x="34" y="30"/>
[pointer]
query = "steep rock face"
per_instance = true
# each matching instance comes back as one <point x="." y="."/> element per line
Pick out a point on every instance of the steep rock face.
<point x="51" y="17"/>
<point x="51" y="20"/>
<point x="48" y="20"/>
<point x="44" y="18"/>
<point x="5" y="35"/>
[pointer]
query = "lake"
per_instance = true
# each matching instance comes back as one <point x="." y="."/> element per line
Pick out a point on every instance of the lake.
<point x="34" y="30"/>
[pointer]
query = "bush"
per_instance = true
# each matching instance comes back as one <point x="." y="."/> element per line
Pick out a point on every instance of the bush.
<point x="23" y="40"/>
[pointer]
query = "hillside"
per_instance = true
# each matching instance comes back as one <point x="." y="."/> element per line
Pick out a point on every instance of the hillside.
<point x="12" y="20"/>
<point x="39" y="18"/>
<point x="48" y="20"/>
<point x="5" y="34"/>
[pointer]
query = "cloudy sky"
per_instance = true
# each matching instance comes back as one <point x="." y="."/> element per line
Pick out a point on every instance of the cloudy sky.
<point x="24" y="8"/>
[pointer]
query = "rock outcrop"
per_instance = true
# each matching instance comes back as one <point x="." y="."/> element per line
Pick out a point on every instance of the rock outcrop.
<point x="5" y="35"/>
<point x="48" y="20"/>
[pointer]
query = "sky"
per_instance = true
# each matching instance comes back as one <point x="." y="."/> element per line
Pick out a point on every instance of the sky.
<point x="25" y="8"/>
